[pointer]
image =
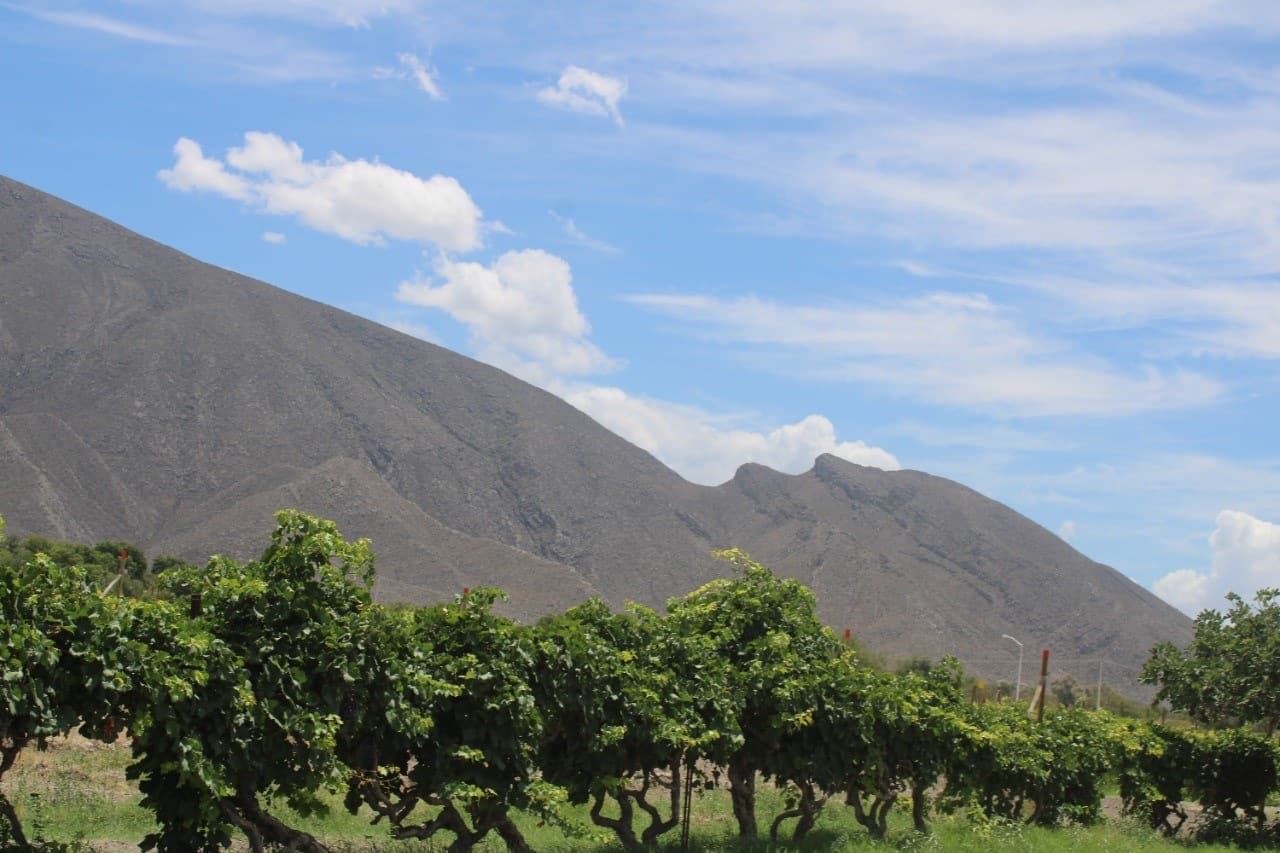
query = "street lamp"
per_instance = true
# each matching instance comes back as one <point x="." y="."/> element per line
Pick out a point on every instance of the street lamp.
<point x="1017" y="685"/>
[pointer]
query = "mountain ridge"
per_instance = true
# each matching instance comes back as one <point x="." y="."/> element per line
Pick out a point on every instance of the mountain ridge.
<point x="153" y="397"/>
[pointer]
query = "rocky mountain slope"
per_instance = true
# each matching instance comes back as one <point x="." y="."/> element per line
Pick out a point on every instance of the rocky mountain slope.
<point x="145" y="395"/>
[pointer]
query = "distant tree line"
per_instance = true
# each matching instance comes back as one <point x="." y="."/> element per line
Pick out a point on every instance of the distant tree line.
<point x="101" y="562"/>
<point x="279" y="679"/>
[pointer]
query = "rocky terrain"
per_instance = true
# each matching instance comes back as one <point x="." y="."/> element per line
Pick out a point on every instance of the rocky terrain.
<point x="147" y="396"/>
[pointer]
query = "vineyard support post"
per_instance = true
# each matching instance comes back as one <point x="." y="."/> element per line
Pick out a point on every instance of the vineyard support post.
<point x="1017" y="684"/>
<point x="1099" y="704"/>
<point x="1044" y="679"/>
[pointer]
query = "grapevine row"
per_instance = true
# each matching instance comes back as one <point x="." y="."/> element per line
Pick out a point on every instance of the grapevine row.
<point x="279" y="679"/>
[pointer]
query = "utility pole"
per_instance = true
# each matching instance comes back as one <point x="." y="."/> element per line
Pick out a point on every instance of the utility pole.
<point x="1017" y="684"/>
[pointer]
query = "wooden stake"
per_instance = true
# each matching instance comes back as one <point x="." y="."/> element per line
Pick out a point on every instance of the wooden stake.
<point x="1044" y="678"/>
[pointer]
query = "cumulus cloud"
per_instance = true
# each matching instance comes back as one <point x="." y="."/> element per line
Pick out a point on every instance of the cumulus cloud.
<point x="1246" y="558"/>
<point x="1067" y="530"/>
<point x="584" y="91"/>
<point x="423" y="74"/>
<point x="523" y="305"/>
<point x="364" y="201"/>
<point x="275" y="238"/>
<point x="1185" y="589"/>
<point x="704" y="448"/>
<point x="523" y="316"/>
<point x="193" y="171"/>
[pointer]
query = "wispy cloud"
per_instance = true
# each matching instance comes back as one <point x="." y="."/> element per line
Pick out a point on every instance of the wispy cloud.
<point x="991" y="437"/>
<point x="1207" y="318"/>
<point x="957" y="350"/>
<point x="423" y="74"/>
<point x="347" y="13"/>
<point x="1107" y="181"/>
<point x="913" y="35"/>
<point x="103" y="24"/>
<point x="263" y="44"/>
<point x="577" y="235"/>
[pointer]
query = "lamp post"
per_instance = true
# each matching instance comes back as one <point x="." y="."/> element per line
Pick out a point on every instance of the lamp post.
<point x="1017" y="685"/>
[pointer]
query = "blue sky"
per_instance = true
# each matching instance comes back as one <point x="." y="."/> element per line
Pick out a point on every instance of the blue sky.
<point x="1031" y="246"/>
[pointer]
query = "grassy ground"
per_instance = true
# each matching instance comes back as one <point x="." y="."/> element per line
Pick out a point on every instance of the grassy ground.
<point x="77" y="791"/>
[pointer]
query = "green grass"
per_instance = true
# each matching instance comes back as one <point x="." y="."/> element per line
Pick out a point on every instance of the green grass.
<point x="77" y="791"/>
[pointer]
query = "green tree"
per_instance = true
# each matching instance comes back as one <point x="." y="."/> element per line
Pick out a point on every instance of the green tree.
<point x="244" y="698"/>
<point x="1057" y="768"/>
<point x="101" y="562"/>
<point x="766" y="630"/>
<point x="910" y="732"/>
<point x="466" y="730"/>
<point x="1229" y="675"/>
<point x="821" y="738"/>
<point x="64" y="661"/>
<point x="1066" y="691"/>
<point x="629" y="706"/>
<point x="166" y="563"/>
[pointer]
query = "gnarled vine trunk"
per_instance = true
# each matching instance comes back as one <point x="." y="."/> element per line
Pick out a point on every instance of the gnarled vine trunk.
<point x="876" y="816"/>
<point x="658" y="825"/>
<point x="919" y="808"/>
<point x="628" y="800"/>
<point x="9" y="749"/>
<point x="742" y="792"/>
<point x="622" y="825"/>
<point x="263" y="830"/>
<point x="806" y="809"/>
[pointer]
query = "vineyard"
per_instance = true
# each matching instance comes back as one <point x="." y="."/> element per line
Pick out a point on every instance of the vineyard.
<point x="252" y="696"/>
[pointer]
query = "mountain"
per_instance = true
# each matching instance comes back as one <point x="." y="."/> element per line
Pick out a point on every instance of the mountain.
<point x="147" y="396"/>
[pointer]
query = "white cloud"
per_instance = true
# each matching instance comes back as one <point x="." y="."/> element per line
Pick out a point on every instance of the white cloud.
<point x="348" y="13"/>
<point x="989" y="437"/>
<point x="106" y="25"/>
<point x="1228" y="320"/>
<point x="920" y="34"/>
<point x="423" y="74"/>
<point x="1185" y="589"/>
<point x="1120" y="176"/>
<point x="584" y="91"/>
<point x="954" y="349"/>
<point x="1246" y="558"/>
<point x="705" y="448"/>
<point x="193" y="171"/>
<point x="522" y="305"/>
<point x="1068" y="530"/>
<point x="273" y="237"/>
<point x="366" y="202"/>
<point x="523" y="316"/>
<point x="577" y="235"/>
